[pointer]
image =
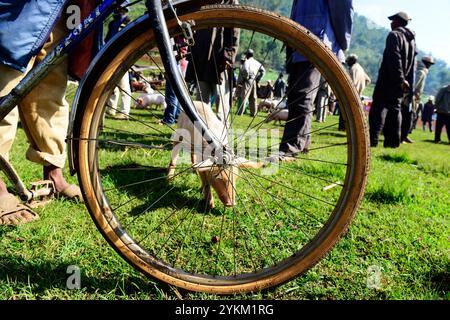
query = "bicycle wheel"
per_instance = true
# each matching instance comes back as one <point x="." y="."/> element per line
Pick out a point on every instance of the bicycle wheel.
<point x="285" y="215"/>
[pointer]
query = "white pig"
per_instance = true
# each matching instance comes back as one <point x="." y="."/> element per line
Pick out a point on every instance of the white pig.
<point x="278" y="115"/>
<point x="221" y="178"/>
<point x="149" y="100"/>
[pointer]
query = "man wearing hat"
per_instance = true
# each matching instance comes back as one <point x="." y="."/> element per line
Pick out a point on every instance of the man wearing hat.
<point x="210" y="65"/>
<point x="421" y="76"/>
<point x="395" y="82"/>
<point x="252" y="72"/>
<point x="359" y="77"/>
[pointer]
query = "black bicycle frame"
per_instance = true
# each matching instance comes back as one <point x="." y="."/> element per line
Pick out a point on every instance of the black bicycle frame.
<point x="158" y="23"/>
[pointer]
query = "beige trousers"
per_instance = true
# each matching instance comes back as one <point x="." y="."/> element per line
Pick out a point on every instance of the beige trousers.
<point x="44" y="112"/>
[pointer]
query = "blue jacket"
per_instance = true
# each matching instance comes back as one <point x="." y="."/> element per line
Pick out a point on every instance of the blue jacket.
<point x="24" y="27"/>
<point x="330" y="20"/>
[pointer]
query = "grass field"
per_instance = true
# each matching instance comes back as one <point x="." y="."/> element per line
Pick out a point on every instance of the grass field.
<point x="397" y="247"/>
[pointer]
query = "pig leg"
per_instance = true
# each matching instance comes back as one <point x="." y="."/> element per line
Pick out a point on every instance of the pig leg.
<point x="173" y="160"/>
<point x="207" y="191"/>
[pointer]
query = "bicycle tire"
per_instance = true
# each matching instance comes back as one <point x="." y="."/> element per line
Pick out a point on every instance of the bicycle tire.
<point x="292" y="264"/>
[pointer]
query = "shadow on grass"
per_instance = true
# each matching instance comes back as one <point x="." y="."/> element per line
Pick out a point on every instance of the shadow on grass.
<point x="398" y="158"/>
<point x="38" y="276"/>
<point x="150" y="185"/>
<point x="332" y="134"/>
<point x="390" y="194"/>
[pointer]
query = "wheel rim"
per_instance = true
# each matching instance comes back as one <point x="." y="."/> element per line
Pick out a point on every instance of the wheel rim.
<point x="211" y="242"/>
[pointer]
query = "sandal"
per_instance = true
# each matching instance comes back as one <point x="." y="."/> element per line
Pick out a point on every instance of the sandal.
<point x="13" y="212"/>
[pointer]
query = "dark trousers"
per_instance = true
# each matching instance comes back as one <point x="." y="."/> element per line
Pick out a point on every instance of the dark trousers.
<point x="407" y="121"/>
<point x="173" y="107"/>
<point x="443" y="120"/>
<point x="386" y="117"/>
<point x="303" y="84"/>
<point x="430" y="124"/>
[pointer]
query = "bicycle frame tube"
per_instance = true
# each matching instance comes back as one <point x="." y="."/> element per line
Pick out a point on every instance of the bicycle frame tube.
<point x="8" y="102"/>
<point x="173" y="74"/>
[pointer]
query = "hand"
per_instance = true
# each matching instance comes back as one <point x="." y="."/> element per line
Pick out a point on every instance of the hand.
<point x="405" y="86"/>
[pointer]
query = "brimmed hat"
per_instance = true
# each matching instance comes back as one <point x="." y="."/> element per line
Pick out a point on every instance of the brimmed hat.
<point x="402" y="15"/>
<point x="428" y="59"/>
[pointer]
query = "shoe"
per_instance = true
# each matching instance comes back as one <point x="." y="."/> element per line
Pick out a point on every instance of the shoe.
<point x="437" y="142"/>
<point x="121" y="116"/>
<point x="408" y="140"/>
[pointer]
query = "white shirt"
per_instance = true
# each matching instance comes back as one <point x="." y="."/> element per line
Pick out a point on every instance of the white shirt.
<point x="251" y="68"/>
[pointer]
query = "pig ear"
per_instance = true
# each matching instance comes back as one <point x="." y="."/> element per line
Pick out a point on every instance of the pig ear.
<point x="244" y="163"/>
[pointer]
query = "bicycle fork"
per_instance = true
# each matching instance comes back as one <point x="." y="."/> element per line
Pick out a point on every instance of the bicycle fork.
<point x="173" y="74"/>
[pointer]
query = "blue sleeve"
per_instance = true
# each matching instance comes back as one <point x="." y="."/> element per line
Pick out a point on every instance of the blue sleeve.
<point x="341" y="15"/>
<point x="24" y="27"/>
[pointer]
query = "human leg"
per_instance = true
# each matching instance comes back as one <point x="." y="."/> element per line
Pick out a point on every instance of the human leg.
<point x="113" y="102"/>
<point x="439" y="127"/>
<point x="44" y="113"/>
<point x="223" y="98"/>
<point x="125" y="89"/>
<point x="406" y="123"/>
<point x="244" y="94"/>
<point x="393" y="127"/>
<point x="303" y="81"/>
<point x="173" y="107"/>
<point x="447" y="125"/>
<point x="252" y="98"/>
<point x="204" y="92"/>
<point x="377" y="116"/>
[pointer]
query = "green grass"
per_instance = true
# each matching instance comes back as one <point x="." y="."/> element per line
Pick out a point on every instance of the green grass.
<point x="401" y="229"/>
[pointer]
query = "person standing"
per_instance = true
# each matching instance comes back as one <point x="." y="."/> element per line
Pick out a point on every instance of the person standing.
<point x="212" y="60"/>
<point x="323" y="95"/>
<point x="123" y="88"/>
<point x="395" y="80"/>
<point x="252" y="72"/>
<point x="427" y="114"/>
<point x="332" y="22"/>
<point x="411" y="116"/>
<point x="279" y="87"/>
<point x="443" y="113"/>
<point x="359" y="77"/>
<point x="25" y="40"/>
<point x="173" y="107"/>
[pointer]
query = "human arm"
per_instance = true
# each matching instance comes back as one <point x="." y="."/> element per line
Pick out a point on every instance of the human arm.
<point x="341" y="15"/>
<point x="393" y="59"/>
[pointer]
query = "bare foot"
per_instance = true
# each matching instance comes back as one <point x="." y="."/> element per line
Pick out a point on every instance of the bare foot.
<point x="55" y="174"/>
<point x="62" y="187"/>
<point x="12" y="211"/>
<point x="3" y="189"/>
